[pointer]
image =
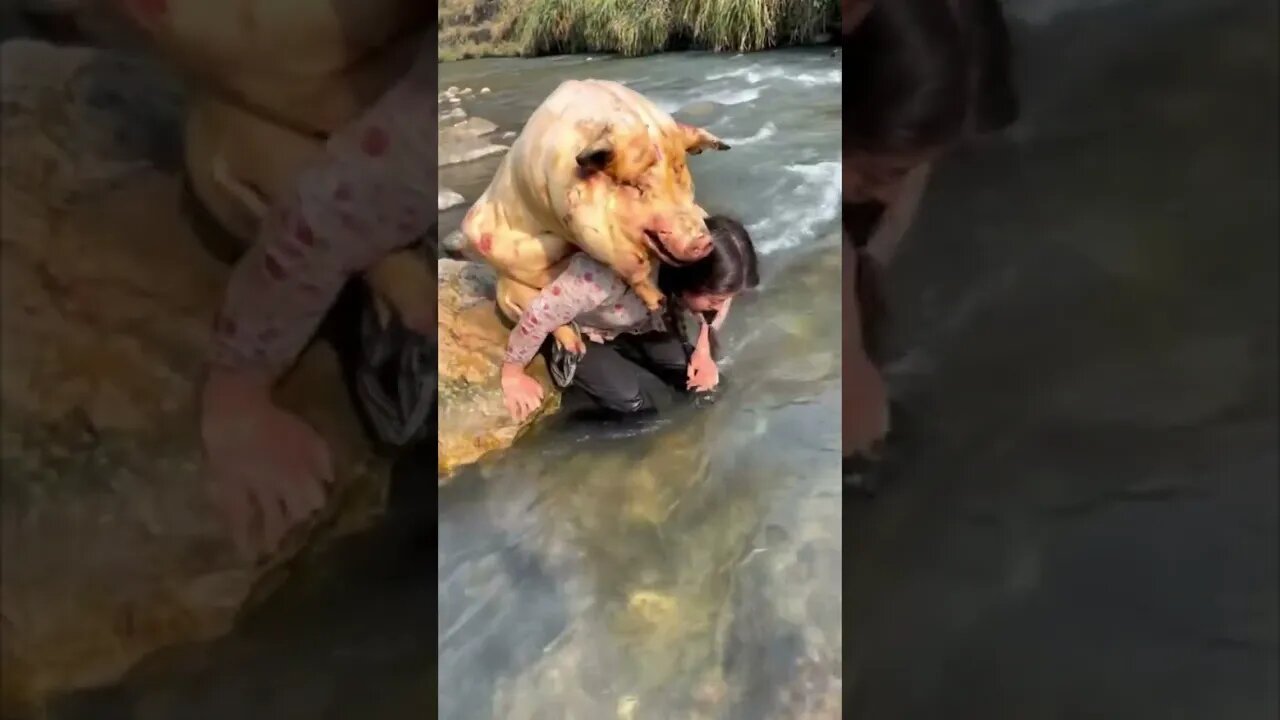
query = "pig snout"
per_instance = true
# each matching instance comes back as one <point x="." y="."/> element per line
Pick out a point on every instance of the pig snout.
<point x="681" y="248"/>
<point x="678" y="240"/>
<point x="700" y="247"/>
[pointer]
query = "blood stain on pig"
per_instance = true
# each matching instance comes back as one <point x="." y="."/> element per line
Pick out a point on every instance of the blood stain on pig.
<point x="375" y="141"/>
<point x="485" y="243"/>
<point x="304" y="234"/>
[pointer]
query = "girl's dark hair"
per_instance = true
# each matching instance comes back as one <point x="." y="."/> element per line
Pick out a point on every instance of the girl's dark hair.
<point x="729" y="268"/>
<point x="918" y="72"/>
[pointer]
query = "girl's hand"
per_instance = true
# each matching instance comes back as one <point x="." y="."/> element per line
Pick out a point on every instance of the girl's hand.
<point x="261" y="462"/>
<point x="703" y="373"/>
<point x="520" y="392"/>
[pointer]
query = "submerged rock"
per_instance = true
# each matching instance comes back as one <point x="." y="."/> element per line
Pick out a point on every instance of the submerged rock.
<point x="473" y="419"/>
<point x="461" y="143"/>
<point x="476" y="126"/>
<point x="700" y="110"/>
<point x="454" y="242"/>
<point x="110" y="549"/>
<point x="447" y="198"/>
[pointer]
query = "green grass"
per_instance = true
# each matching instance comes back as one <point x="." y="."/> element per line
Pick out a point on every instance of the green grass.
<point x="629" y="27"/>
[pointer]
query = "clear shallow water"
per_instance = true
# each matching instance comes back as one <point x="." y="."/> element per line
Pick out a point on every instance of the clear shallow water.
<point x="1086" y="523"/>
<point x="688" y="569"/>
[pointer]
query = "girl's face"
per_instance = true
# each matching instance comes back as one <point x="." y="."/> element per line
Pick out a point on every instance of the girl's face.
<point x="706" y="302"/>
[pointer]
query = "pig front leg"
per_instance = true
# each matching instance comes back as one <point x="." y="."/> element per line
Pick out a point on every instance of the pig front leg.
<point x="591" y="225"/>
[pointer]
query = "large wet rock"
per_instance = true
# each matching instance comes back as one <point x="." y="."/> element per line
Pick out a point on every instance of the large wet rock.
<point x="462" y="138"/>
<point x="110" y="548"/>
<point x="477" y="126"/>
<point x="446" y="199"/>
<point x="462" y="144"/>
<point x="473" y="419"/>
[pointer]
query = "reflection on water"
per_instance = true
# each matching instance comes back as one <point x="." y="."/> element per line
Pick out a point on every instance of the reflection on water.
<point x="686" y="569"/>
<point x="1086" y="524"/>
<point x="689" y="568"/>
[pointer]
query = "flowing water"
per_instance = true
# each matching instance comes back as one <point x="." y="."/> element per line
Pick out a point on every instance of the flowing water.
<point x="1086" y="523"/>
<point x="688" y="569"/>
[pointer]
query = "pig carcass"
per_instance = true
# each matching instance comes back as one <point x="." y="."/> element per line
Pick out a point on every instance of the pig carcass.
<point x="599" y="168"/>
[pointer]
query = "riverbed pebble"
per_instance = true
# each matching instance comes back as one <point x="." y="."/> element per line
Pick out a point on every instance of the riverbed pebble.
<point x="454" y="241"/>
<point x="447" y="198"/>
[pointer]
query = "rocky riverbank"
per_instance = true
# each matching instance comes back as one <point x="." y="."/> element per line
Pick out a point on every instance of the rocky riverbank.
<point x="473" y="420"/>
<point x="111" y="549"/>
<point x="463" y="138"/>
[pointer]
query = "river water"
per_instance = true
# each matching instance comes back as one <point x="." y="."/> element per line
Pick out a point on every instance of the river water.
<point x="1086" y="523"/>
<point x="687" y="569"/>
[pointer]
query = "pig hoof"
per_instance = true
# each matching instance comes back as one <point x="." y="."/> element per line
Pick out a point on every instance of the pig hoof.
<point x="569" y="340"/>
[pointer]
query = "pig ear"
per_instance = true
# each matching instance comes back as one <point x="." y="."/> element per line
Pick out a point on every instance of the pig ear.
<point x="697" y="139"/>
<point x="596" y="157"/>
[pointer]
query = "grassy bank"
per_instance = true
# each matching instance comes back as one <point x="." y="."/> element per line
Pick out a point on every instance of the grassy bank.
<point x="475" y="28"/>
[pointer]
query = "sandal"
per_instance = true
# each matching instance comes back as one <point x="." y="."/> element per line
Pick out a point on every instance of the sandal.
<point x="395" y="380"/>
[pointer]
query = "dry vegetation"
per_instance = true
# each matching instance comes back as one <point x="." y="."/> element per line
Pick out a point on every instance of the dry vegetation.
<point x="472" y="28"/>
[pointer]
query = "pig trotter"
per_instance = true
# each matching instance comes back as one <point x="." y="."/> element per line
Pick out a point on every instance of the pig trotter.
<point x="649" y="294"/>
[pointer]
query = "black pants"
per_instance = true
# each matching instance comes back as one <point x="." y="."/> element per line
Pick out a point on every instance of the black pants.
<point x="632" y="373"/>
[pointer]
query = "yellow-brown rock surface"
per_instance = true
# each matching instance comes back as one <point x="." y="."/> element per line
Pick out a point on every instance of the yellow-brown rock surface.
<point x="110" y="549"/>
<point x="473" y="419"/>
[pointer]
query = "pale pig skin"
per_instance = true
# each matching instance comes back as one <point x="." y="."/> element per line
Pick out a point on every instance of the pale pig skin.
<point x="600" y="168"/>
<point x="270" y="81"/>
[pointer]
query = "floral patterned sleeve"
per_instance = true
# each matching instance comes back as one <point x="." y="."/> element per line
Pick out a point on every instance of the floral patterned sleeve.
<point x="372" y="193"/>
<point x="583" y="286"/>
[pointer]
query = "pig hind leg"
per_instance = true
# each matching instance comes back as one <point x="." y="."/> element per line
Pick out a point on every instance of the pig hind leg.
<point x="534" y="260"/>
